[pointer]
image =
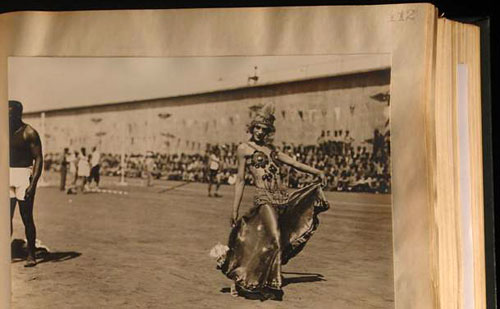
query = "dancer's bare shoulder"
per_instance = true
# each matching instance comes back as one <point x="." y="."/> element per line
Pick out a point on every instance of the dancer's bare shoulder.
<point x="244" y="150"/>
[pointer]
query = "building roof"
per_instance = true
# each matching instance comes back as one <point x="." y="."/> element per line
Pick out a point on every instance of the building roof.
<point x="341" y="66"/>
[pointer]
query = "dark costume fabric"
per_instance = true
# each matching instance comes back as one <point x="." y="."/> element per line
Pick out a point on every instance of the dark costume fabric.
<point x="275" y="229"/>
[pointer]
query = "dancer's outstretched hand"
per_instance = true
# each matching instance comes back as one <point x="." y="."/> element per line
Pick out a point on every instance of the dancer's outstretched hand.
<point x="233" y="221"/>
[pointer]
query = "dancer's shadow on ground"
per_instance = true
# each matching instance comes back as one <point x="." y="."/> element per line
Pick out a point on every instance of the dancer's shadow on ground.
<point x="43" y="254"/>
<point x="287" y="279"/>
<point x="301" y="278"/>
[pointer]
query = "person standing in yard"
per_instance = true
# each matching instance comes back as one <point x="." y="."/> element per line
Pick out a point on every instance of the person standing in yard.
<point x="26" y="163"/>
<point x="95" y="167"/>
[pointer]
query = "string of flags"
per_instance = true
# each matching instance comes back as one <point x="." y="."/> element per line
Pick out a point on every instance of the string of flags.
<point x="309" y="113"/>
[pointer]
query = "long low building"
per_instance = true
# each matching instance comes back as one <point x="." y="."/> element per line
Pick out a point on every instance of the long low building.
<point x="357" y="102"/>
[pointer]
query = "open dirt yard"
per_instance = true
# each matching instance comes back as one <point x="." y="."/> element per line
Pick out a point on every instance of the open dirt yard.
<point x="149" y="249"/>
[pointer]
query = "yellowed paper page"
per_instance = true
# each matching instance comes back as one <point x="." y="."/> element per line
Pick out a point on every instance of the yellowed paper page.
<point x="458" y="215"/>
<point x="404" y="32"/>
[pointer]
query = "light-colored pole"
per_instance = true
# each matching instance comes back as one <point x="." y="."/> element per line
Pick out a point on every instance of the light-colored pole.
<point x="42" y="129"/>
<point x="42" y="182"/>
<point x="122" y="159"/>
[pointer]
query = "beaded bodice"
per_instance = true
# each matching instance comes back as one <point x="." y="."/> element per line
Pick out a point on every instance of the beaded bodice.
<point x="265" y="168"/>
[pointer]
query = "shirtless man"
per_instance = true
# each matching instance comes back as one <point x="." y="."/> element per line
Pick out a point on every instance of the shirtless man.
<point x="26" y="162"/>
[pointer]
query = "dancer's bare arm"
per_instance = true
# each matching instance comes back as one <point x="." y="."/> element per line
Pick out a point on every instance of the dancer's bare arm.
<point x="239" y="185"/>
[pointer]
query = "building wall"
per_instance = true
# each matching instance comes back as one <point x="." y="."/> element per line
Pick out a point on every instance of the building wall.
<point x="185" y="124"/>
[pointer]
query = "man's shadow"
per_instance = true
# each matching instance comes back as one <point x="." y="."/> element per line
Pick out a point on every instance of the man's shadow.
<point x="19" y="253"/>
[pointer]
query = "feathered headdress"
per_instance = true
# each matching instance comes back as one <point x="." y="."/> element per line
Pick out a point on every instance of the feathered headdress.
<point x="265" y="116"/>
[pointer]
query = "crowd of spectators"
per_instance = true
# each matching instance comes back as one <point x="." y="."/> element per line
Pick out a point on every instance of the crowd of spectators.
<point x="350" y="166"/>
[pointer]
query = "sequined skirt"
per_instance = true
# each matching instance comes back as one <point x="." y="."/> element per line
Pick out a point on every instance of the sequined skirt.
<point x="275" y="229"/>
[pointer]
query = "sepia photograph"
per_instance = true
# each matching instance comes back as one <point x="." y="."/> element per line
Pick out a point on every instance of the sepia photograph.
<point x="199" y="182"/>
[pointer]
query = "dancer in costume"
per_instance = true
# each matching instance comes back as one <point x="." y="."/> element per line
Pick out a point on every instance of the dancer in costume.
<point x="278" y="225"/>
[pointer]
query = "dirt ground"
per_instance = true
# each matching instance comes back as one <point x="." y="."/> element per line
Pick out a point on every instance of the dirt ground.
<point x="149" y="249"/>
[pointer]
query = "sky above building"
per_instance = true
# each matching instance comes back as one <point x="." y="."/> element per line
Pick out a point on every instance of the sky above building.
<point x="48" y="83"/>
